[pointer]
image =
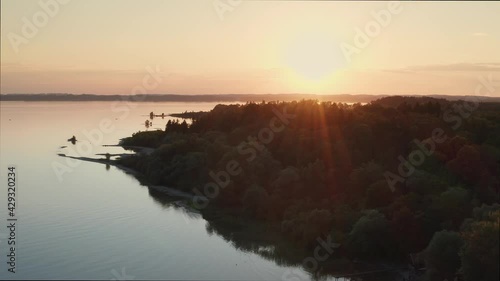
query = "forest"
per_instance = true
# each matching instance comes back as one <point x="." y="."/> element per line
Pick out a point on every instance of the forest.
<point x="397" y="177"/>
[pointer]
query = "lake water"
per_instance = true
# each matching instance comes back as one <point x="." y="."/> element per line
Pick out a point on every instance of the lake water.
<point x="89" y="221"/>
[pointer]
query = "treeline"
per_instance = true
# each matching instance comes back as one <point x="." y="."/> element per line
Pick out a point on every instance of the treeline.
<point x="189" y="115"/>
<point x="345" y="98"/>
<point x="320" y="169"/>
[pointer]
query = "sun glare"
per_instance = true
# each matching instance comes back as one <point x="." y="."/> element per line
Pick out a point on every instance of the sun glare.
<point x="314" y="57"/>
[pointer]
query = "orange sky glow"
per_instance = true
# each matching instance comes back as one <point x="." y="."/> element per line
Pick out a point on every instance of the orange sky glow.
<point x="249" y="47"/>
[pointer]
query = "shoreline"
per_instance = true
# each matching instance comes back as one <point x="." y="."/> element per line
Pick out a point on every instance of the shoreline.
<point x="161" y="188"/>
<point x="377" y="268"/>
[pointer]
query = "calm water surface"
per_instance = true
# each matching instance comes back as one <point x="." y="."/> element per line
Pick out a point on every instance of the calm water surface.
<point x="100" y="223"/>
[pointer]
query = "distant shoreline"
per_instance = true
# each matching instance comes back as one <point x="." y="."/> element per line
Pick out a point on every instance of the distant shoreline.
<point x="344" y="98"/>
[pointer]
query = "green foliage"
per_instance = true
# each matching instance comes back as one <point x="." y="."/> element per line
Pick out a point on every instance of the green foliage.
<point x="307" y="226"/>
<point x="146" y="139"/>
<point x="253" y="198"/>
<point x="441" y="256"/>
<point x="323" y="173"/>
<point x="484" y="212"/>
<point x="479" y="255"/>
<point x="378" y="195"/>
<point x="370" y="236"/>
<point x="452" y="206"/>
<point x="176" y="126"/>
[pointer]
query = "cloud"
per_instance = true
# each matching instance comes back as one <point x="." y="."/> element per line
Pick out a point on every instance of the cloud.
<point x="480" y="34"/>
<point x="61" y="70"/>
<point x="454" y="67"/>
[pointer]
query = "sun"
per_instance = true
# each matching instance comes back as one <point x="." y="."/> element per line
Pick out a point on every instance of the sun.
<point x="313" y="57"/>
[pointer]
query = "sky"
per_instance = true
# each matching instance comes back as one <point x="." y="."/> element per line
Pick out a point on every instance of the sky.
<point x="249" y="47"/>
